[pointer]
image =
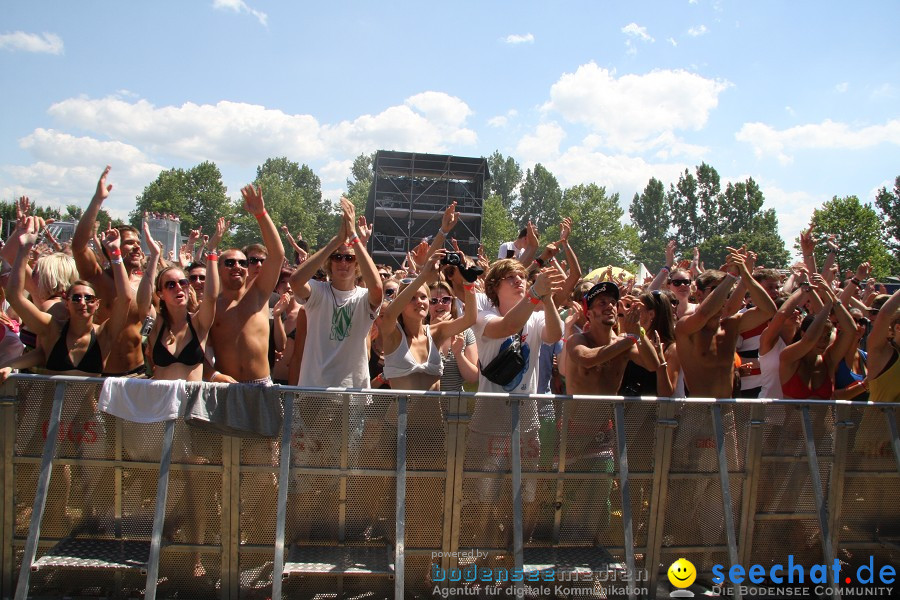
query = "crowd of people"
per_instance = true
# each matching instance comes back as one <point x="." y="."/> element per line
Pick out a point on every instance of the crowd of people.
<point x="332" y="317"/>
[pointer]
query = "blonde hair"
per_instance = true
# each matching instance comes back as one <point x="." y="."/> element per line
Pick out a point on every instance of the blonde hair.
<point x="498" y="272"/>
<point x="54" y="274"/>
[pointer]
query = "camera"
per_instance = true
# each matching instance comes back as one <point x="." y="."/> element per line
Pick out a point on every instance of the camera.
<point x="455" y="259"/>
<point x="452" y="258"/>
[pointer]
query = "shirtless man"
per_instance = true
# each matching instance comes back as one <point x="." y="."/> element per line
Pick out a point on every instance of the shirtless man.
<point x="128" y="359"/>
<point x="596" y="365"/>
<point x="706" y="341"/>
<point x="240" y="333"/>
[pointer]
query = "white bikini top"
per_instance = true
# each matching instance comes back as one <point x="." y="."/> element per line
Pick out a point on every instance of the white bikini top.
<point x="400" y="362"/>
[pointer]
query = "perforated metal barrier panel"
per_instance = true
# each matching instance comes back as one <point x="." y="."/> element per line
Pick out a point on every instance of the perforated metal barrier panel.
<point x="386" y="495"/>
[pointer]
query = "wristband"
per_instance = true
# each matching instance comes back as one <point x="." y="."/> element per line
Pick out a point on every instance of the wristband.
<point x="631" y="336"/>
<point x="261" y="215"/>
<point x="115" y="252"/>
<point x="855" y="282"/>
<point x="643" y="332"/>
<point x="355" y="240"/>
<point x="115" y="261"/>
<point x="662" y="364"/>
<point x="213" y="376"/>
<point x="212" y="256"/>
<point x="468" y="286"/>
<point x="539" y="261"/>
<point x="443" y="233"/>
<point x="665" y="268"/>
<point x="533" y="295"/>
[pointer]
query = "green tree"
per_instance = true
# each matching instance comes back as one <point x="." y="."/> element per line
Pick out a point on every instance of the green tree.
<point x="506" y="175"/>
<point x="539" y="199"/>
<point x="888" y="202"/>
<point x="857" y="229"/>
<point x="196" y="195"/>
<point x="598" y="235"/>
<point x="73" y="212"/>
<point x="361" y="176"/>
<point x="650" y="216"/>
<point x="684" y="208"/>
<point x="709" y="199"/>
<point x="497" y="226"/>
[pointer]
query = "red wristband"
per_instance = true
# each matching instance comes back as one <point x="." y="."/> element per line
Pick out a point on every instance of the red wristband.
<point x="355" y="240"/>
<point x="534" y="300"/>
<point x="213" y="257"/>
<point x="468" y="286"/>
<point x="115" y="253"/>
<point x="261" y="215"/>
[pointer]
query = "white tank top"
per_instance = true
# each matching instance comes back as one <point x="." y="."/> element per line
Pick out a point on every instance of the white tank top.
<point x="400" y="362"/>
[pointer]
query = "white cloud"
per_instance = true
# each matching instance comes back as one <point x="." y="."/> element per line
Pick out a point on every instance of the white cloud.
<point x="635" y="30"/>
<point x="767" y="141"/>
<point x="503" y="120"/>
<point x="885" y="91"/>
<point x="632" y="111"/>
<point x="697" y="31"/>
<point x="794" y="210"/>
<point x="45" y="43"/>
<point x="631" y="50"/>
<point x="516" y="38"/>
<point x="841" y="87"/>
<point x="241" y="6"/>
<point x="542" y="144"/>
<point x="672" y="41"/>
<point x="140" y="139"/>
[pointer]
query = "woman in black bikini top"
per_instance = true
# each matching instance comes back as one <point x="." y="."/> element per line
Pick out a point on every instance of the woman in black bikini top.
<point x="178" y="338"/>
<point x="77" y="346"/>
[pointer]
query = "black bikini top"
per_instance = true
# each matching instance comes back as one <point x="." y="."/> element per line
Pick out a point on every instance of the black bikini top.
<point x="91" y="362"/>
<point x="191" y="355"/>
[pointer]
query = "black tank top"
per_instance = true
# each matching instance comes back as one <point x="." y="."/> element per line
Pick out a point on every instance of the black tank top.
<point x="190" y="355"/>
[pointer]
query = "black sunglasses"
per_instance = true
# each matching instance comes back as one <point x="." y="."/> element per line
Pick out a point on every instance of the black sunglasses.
<point x="679" y="282"/>
<point x="198" y="277"/>
<point x="384" y="275"/>
<point x="256" y="260"/>
<point x="172" y="283"/>
<point x="230" y="262"/>
<point x="77" y="298"/>
<point x="343" y="257"/>
<point x="389" y="292"/>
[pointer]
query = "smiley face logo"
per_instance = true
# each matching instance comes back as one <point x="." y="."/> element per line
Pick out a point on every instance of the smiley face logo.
<point x="682" y="573"/>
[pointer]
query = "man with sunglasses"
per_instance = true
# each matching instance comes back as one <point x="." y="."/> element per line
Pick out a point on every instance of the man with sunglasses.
<point x="128" y="358"/>
<point x="240" y="333"/>
<point x="339" y="313"/>
<point x="196" y="273"/>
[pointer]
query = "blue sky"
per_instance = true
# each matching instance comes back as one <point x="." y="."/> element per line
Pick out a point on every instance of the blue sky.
<point x="802" y="96"/>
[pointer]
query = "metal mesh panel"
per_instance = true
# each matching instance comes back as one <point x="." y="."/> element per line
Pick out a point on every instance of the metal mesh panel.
<point x="542" y="513"/>
<point x="84" y="432"/>
<point x="640" y="434"/>
<point x="67" y="583"/>
<point x="592" y="512"/>
<point x="316" y="430"/>
<point x="786" y="486"/>
<point x="178" y="578"/>
<point x="486" y="520"/>
<point x="591" y="437"/>
<point x="783" y="430"/>
<point x="193" y="507"/>
<point x="424" y="512"/>
<point x="426" y="434"/>
<point x="694" y="514"/>
<point x="32" y="416"/>
<point x="255" y="578"/>
<point x="312" y="509"/>
<point x="869" y="442"/>
<point x="694" y="442"/>
<point x="774" y="540"/>
<point x="869" y="509"/>
<point x="258" y="493"/>
<point x="370" y="508"/>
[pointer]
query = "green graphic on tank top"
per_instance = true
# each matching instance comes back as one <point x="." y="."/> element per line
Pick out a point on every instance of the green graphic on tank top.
<point x="341" y="322"/>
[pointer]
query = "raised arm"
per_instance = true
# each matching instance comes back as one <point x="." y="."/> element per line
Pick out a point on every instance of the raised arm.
<point x="448" y="329"/>
<point x="793" y="353"/>
<point x="366" y="265"/>
<point x="531" y="245"/>
<point x="808" y="247"/>
<point x="711" y="304"/>
<point x="271" y="269"/>
<point x="148" y="279"/>
<point x="548" y="281"/>
<point x="206" y="314"/>
<point x="124" y="295"/>
<point x="763" y="305"/>
<point x="85" y="259"/>
<point x="845" y="329"/>
<point x="303" y="273"/>
<point x="35" y="319"/>
<point x="771" y="333"/>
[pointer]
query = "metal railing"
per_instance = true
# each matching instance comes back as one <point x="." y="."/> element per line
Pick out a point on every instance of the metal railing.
<point x="394" y="493"/>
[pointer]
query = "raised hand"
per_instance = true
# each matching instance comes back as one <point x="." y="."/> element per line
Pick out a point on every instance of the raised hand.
<point x="103" y="188"/>
<point x="863" y="270"/>
<point x="565" y="228"/>
<point x="450" y="218"/>
<point x="807" y="241"/>
<point x="111" y="239"/>
<point x="253" y="199"/>
<point x="154" y="246"/>
<point x="548" y="281"/>
<point x="670" y="252"/>
<point x="831" y="243"/>
<point x="28" y="234"/>
<point x="221" y="227"/>
<point x="363" y="230"/>
<point x="419" y="253"/>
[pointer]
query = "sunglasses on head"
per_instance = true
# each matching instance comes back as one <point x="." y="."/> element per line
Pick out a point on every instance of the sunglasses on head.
<point x="173" y="283"/>
<point x="230" y="262"/>
<point x="343" y="257"/>
<point x="77" y="298"/>
<point x="679" y="282"/>
<point x="442" y="300"/>
<point x="256" y="260"/>
<point x="198" y="277"/>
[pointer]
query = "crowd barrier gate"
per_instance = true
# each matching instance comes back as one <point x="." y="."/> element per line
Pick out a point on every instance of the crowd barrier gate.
<point x="380" y="494"/>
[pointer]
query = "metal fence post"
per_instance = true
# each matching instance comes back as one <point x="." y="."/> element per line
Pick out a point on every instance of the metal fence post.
<point x="284" y="481"/>
<point x="400" y="514"/>
<point x="662" y="462"/>
<point x="752" y="470"/>
<point x="516" y="456"/>
<point x="626" y="494"/>
<point x="816" y="479"/>
<point x="725" y="481"/>
<point x="159" y="514"/>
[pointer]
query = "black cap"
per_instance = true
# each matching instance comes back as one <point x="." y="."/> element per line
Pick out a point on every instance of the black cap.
<point x="604" y="287"/>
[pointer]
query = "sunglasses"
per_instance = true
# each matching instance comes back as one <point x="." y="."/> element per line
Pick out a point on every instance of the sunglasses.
<point x="442" y="300"/>
<point x="679" y="282"/>
<point x="77" y="298"/>
<point x="389" y="292"/>
<point x="337" y="256"/>
<point x="198" y="277"/>
<point x="384" y="275"/>
<point x="172" y="284"/>
<point x="862" y="321"/>
<point x="230" y="262"/>
<point x="256" y="260"/>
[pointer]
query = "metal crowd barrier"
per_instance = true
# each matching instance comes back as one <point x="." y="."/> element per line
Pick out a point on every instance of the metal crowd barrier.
<point x="375" y="494"/>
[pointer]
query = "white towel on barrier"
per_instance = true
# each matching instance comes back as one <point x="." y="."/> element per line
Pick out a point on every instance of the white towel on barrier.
<point x="142" y="400"/>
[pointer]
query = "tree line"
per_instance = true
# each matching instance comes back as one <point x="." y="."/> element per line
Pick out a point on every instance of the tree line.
<point x="696" y="210"/>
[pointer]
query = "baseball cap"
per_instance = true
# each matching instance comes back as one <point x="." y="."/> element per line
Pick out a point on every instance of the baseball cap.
<point x="604" y="287"/>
